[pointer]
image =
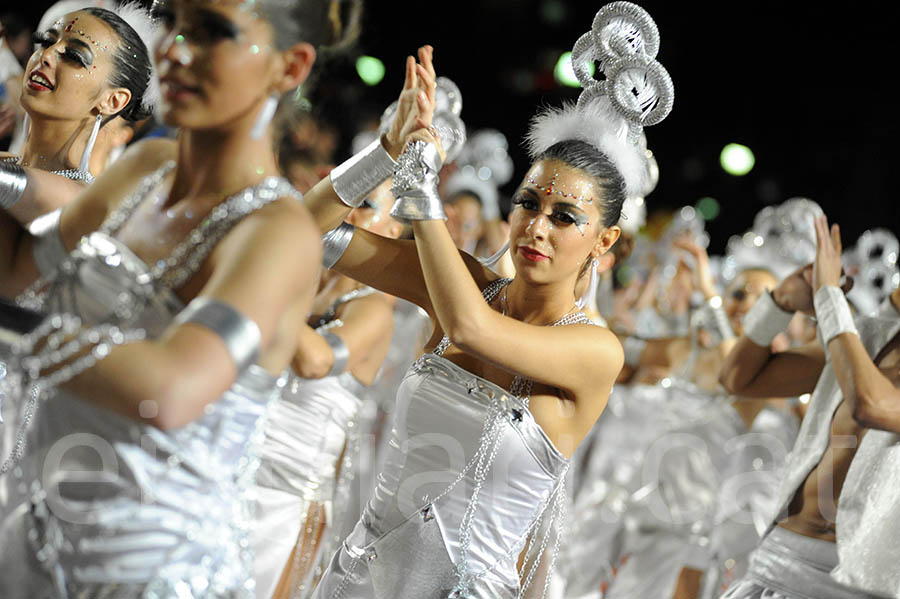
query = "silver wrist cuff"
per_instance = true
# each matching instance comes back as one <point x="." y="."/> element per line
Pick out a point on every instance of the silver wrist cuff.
<point x="416" y="184"/>
<point x="356" y="177"/>
<point x="833" y="314"/>
<point x="765" y="320"/>
<point x="240" y="334"/>
<point x="12" y="184"/>
<point x="633" y="347"/>
<point x="339" y="350"/>
<point x="335" y="243"/>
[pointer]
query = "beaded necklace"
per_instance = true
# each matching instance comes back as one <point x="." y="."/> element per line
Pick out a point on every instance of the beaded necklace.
<point x="73" y="174"/>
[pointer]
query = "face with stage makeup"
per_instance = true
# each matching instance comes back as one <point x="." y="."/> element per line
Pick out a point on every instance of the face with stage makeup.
<point x="743" y="292"/>
<point x="218" y="64"/>
<point x="67" y="76"/>
<point x="556" y="225"/>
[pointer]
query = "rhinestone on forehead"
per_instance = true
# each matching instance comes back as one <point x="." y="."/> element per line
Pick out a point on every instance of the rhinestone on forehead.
<point x="552" y="189"/>
<point x="71" y="27"/>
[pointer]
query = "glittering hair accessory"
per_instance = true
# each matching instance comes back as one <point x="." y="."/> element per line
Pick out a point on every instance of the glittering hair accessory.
<point x="873" y="264"/>
<point x="783" y="239"/>
<point x="635" y="91"/>
<point x="446" y="120"/>
<point x="484" y="165"/>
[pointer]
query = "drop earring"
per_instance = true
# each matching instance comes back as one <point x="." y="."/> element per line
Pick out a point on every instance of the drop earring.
<point x="264" y="117"/>
<point x="85" y="163"/>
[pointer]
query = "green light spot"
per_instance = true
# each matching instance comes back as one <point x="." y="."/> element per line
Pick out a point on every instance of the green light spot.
<point x="737" y="160"/>
<point x="259" y="170"/>
<point x="708" y="208"/>
<point x="179" y="39"/>
<point x="370" y="69"/>
<point x="254" y="49"/>
<point x="565" y="73"/>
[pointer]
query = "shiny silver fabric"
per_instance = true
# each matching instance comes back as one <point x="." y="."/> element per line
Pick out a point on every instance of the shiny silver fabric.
<point x="791" y="566"/>
<point x="868" y="521"/>
<point x="668" y="478"/>
<point x="407" y="543"/>
<point x="103" y="506"/>
<point x="306" y="434"/>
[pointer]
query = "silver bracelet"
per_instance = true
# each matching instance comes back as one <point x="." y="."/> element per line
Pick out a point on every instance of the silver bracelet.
<point x="765" y="320"/>
<point x="355" y="178"/>
<point x="13" y="181"/>
<point x="335" y="243"/>
<point x="633" y="347"/>
<point x="833" y="313"/>
<point x="416" y="184"/>
<point x="713" y="317"/>
<point x="339" y="350"/>
<point x="240" y="334"/>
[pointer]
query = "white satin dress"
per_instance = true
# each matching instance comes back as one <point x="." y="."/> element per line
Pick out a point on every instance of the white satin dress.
<point x="102" y="506"/>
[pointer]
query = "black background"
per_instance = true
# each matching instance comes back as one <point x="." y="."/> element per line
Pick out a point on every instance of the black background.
<point x="810" y="87"/>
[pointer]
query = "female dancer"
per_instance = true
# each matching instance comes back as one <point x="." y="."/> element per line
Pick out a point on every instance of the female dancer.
<point x="208" y="253"/>
<point x="486" y="421"/>
<point x="310" y="458"/>
<point x="89" y="79"/>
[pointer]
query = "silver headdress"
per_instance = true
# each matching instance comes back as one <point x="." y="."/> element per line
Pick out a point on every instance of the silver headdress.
<point x="636" y="91"/>
<point x="783" y="239"/>
<point x="485" y="165"/>
<point x="873" y="264"/>
<point x="446" y="119"/>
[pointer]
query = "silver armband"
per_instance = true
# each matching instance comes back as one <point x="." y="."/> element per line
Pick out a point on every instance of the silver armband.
<point x="833" y="313"/>
<point x="416" y="184"/>
<point x="240" y="334"/>
<point x="335" y="243"/>
<point x="339" y="350"/>
<point x="12" y="184"/>
<point x="765" y="320"/>
<point x="356" y="177"/>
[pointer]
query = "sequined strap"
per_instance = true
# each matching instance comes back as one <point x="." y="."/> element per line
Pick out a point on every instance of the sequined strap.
<point x="187" y="256"/>
<point x="126" y="208"/>
<point x="490" y="294"/>
<point x="73" y="174"/>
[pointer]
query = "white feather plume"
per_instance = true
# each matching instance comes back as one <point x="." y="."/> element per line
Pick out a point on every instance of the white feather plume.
<point x="140" y="20"/>
<point x="598" y="124"/>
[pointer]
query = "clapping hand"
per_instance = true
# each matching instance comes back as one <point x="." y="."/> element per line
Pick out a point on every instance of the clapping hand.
<point x="415" y="107"/>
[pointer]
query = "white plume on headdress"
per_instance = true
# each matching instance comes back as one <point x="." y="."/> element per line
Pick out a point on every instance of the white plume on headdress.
<point x="597" y="124"/>
<point x="130" y="12"/>
<point x="142" y="23"/>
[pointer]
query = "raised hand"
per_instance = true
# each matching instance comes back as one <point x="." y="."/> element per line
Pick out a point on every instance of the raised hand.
<point x="416" y="104"/>
<point x="702" y="272"/>
<point x="795" y="293"/>
<point x="827" y="269"/>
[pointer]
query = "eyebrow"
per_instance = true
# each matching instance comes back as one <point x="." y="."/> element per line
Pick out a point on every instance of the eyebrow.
<point x="86" y="46"/>
<point x="220" y="20"/>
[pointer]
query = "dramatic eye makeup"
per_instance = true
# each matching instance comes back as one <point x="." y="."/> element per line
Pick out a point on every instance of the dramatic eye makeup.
<point x="563" y="213"/>
<point x="76" y="50"/>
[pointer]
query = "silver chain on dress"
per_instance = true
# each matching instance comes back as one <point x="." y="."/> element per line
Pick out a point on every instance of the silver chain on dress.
<point x="73" y="174"/>
<point x="482" y="461"/>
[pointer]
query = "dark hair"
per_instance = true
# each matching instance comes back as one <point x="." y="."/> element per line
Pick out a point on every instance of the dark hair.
<point x="329" y="25"/>
<point x="585" y="157"/>
<point x="131" y="64"/>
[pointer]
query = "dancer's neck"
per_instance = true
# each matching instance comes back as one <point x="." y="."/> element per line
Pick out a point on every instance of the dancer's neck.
<point x="54" y="145"/>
